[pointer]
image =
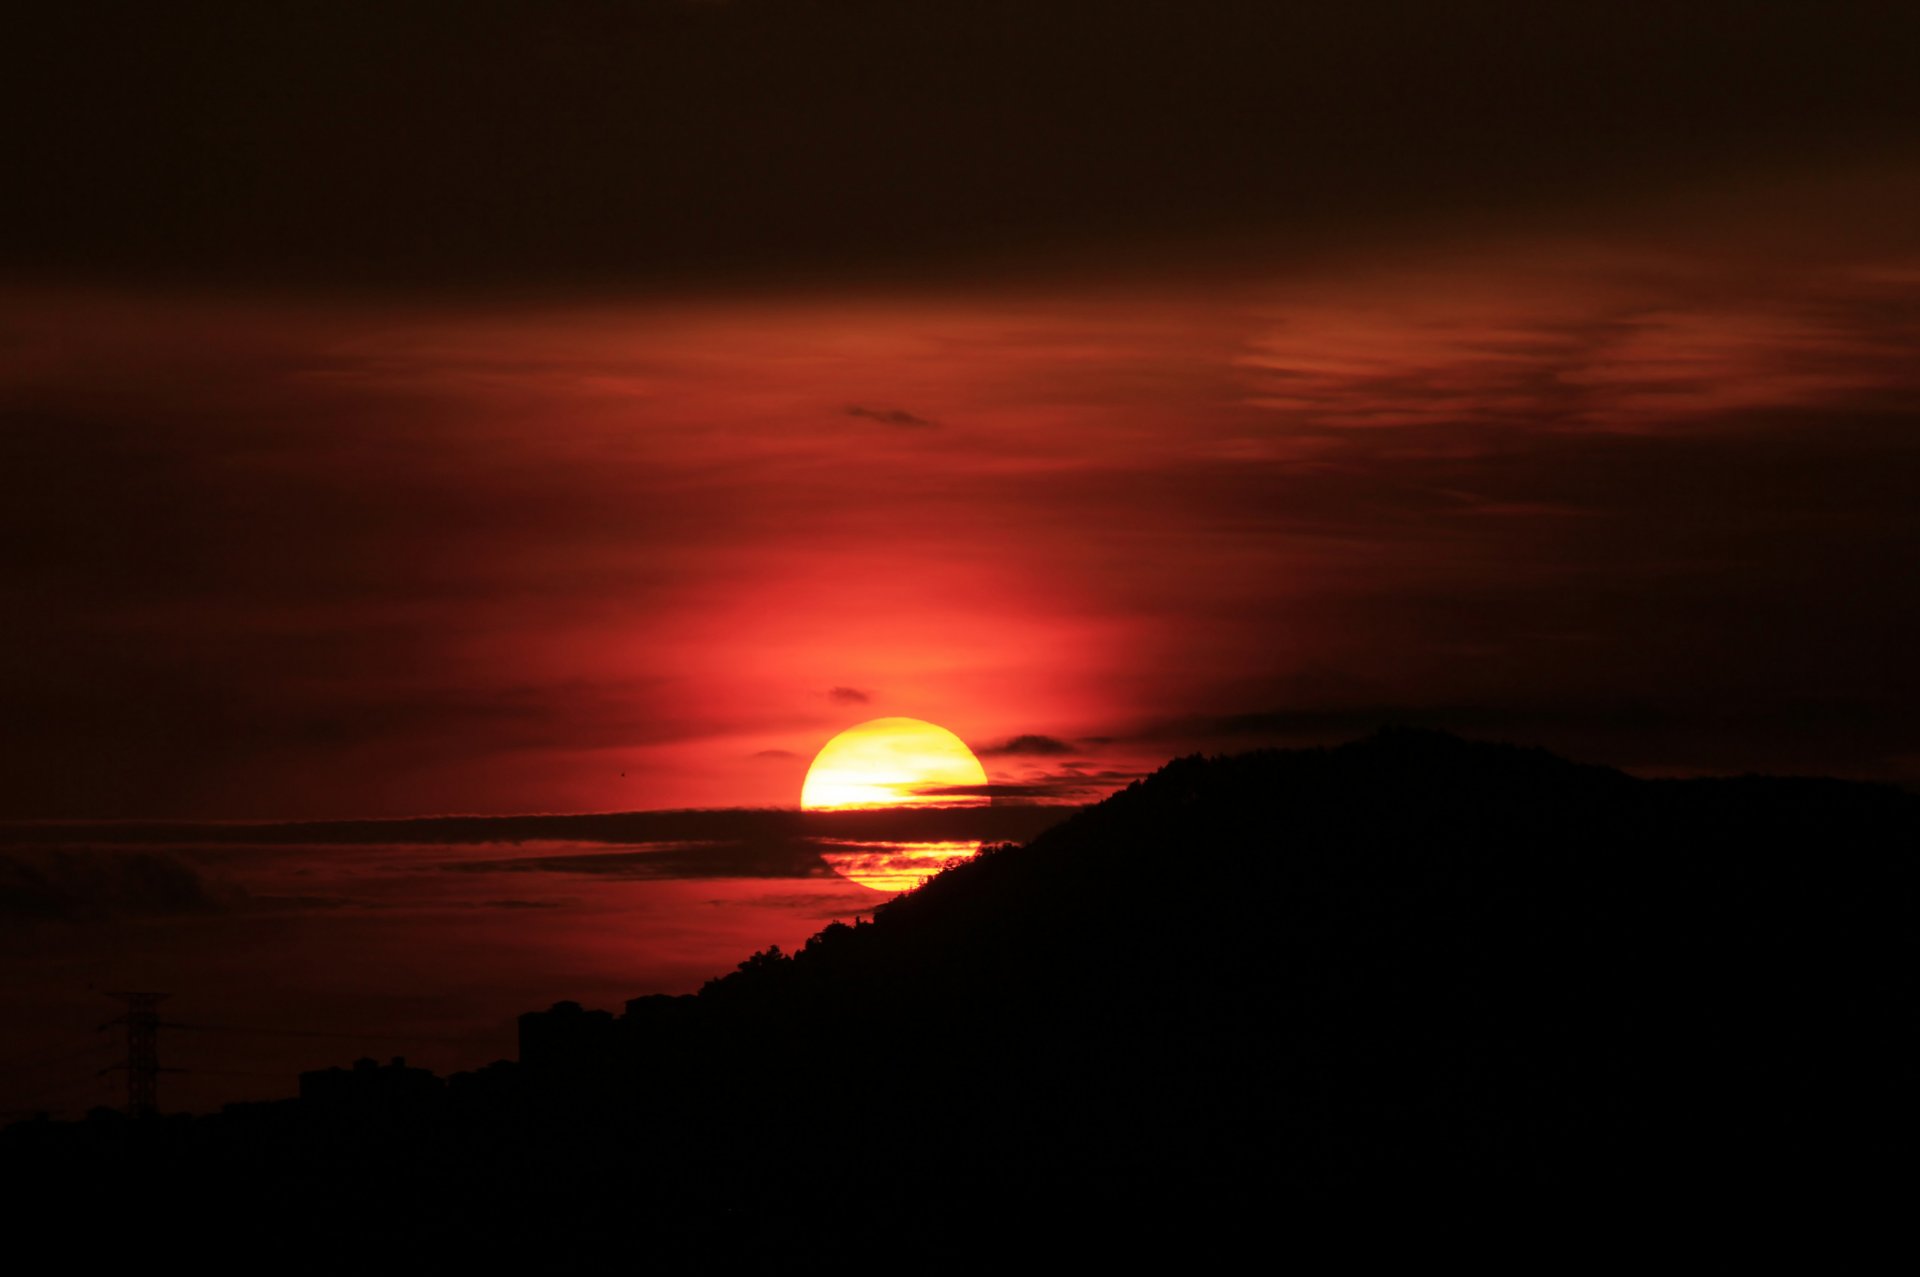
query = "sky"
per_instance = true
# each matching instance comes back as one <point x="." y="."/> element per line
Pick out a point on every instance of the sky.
<point x="502" y="408"/>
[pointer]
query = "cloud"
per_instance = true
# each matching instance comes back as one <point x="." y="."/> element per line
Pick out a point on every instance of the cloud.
<point x="772" y="857"/>
<point x="121" y="870"/>
<point x="848" y="696"/>
<point x="836" y="905"/>
<point x="304" y="903"/>
<point x="774" y="753"/>
<point x="75" y="884"/>
<point x="1318" y="125"/>
<point x="890" y="417"/>
<point x="1031" y="745"/>
<point x="1024" y="791"/>
<point x="275" y="904"/>
<point x="628" y="830"/>
<point x="1582" y="354"/>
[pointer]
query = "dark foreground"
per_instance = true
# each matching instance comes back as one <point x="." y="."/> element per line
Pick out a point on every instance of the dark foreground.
<point x="1249" y="999"/>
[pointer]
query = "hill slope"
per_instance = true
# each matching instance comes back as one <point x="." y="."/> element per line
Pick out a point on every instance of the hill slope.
<point x="1408" y="971"/>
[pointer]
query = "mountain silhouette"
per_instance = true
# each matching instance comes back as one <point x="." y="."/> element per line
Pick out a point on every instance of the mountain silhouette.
<point x="1412" y="975"/>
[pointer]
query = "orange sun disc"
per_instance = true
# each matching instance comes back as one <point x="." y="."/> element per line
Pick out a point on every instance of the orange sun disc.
<point x="894" y="762"/>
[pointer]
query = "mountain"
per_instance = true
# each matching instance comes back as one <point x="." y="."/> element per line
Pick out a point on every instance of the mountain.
<point x="1240" y="998"/>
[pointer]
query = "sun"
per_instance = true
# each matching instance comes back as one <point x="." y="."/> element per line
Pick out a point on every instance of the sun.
<point x="894" y="762"/>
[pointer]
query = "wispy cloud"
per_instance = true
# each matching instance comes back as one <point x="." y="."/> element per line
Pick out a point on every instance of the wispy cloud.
<point x="1031" y="745"/>
<point x="891" y="417"/>
<point x="79" y="884"/>
<point x="763" y="858"/>
<point x="649" y="829"/>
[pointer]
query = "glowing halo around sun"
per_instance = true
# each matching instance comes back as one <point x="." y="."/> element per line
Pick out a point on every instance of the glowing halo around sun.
<point x="894" y="762"/>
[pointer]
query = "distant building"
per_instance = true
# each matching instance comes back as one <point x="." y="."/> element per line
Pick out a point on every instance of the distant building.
<point x="567" y="1037"/>
<point x="370" y="1085"/>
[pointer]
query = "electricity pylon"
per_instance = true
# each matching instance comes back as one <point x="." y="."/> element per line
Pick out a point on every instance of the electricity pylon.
<point x="143" y="1051"/>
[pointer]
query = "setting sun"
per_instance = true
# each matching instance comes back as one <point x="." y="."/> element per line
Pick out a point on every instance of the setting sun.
<point x="894" y="762"/>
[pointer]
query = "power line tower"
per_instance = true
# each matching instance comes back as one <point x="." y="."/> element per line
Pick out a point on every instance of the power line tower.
<point x="143" y="1051"/>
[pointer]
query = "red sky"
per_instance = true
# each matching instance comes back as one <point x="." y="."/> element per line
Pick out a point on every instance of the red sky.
<point x="1645" y="501"/>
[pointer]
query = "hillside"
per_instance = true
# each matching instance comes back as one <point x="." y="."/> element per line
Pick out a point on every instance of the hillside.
<point x="1408" y="972"/>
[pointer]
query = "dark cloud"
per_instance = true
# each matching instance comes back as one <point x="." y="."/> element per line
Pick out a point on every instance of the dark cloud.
<point x="1031" y="745"/>
<point x="889" y="416"/>
<point x="762" y="858"/>
<point x="769" y="857"/>
<point x="645" y="143"/>
<point x="80" y="884"/>
<point x="302" y="904"/>
<point x="848" y="696"/>
<point x="774" y="753"/>
<point x="1014" y="792"/>
<point x="838" y="905"/>
<point x="363" y="905"/>
<point x="657" y="831"/>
